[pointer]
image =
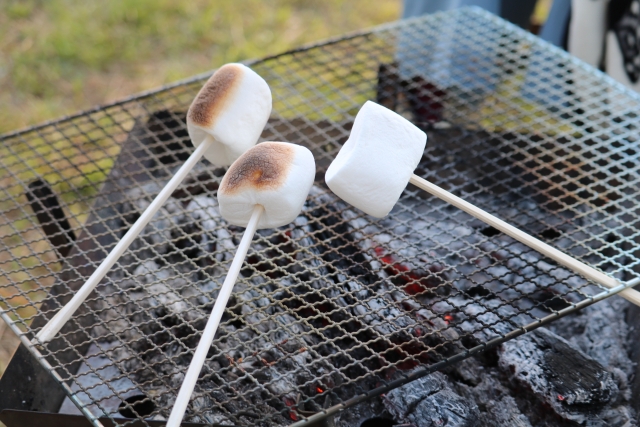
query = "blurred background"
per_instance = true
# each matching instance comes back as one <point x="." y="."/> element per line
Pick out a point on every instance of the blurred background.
<point x="61" y="56"/>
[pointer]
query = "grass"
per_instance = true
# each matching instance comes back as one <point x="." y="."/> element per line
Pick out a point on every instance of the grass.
<point x="61" y="56"/>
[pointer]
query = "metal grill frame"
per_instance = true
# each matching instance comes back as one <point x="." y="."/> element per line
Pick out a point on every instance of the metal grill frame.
<point x="492" y="66"/>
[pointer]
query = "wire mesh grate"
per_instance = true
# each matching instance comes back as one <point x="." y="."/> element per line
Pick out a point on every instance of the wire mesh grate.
<point x="336" y="304"/>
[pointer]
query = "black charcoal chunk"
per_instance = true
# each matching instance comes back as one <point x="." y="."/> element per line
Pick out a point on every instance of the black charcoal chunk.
<point x="429" y="402"/>
<point x="504" y="413"/>
<point x="558" y="374"/>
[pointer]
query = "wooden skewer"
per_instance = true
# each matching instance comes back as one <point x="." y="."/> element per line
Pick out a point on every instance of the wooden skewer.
<point x="200" y="355"/>
<point x="579" y="267"/>
<point x="58" y="321"/>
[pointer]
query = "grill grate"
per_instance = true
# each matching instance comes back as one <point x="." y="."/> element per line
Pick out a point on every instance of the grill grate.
<point x="337" y="306"/>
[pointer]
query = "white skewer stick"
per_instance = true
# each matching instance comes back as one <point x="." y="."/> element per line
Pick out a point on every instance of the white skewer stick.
<point x="199" y="357"/>
<point x="264" y="188"/>
<point x="58" y="321"/>
<point x="579" y="267"/>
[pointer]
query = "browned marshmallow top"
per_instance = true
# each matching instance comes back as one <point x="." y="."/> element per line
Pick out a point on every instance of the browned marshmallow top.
<point x="215" y="93"/>
<point x="263" y="167"/>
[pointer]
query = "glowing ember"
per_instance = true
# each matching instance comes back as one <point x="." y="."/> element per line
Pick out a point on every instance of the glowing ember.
<point x="412" y="282"/>
<point x="560" y="397"/>
<point x="291" y="403"/>
<point x="319" y="390"/>
<point x="448" y="318"/>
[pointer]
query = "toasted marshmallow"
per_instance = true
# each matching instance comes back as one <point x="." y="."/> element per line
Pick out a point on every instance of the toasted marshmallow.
<point x="232" y="108"/>
<point x="276" y="175"/>
<point x="375" y="164"/>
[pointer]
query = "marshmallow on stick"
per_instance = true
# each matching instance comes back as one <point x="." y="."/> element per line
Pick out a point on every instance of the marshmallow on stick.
<point x="265" y="188"/>
<point x="225" y="119"/>
<point x="377" y="162"/>
<point x="229" y="113"/>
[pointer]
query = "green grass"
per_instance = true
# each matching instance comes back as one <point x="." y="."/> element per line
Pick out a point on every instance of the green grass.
<point x="61" y="56"/>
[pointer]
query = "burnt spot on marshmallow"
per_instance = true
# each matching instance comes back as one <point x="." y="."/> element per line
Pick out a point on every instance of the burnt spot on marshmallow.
<point x="212" y="98"/>
<point x="263" y="167"/>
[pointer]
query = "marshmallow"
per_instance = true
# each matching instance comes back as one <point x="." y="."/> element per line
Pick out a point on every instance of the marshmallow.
<point x="232" y="108"/>
<point x="276" y="175"/>
<point x="377" y="161"/>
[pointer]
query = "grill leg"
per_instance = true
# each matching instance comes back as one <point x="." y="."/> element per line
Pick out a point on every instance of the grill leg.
<point x="26" y="385"/>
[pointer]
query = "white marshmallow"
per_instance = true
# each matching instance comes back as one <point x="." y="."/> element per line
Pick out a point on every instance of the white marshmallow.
<point x="232" y="108"/>
<point x="375" y="164"/>
<point x="276" y="175"/>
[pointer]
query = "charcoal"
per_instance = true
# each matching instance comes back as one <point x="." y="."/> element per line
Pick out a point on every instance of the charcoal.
<point x="480" y="381"/>
<point x="600" y="331"/>
<point x="481" y="281"/>
<point x="361" y="286"/>
<point x="429" y="402"/>
<point x="504" y="413"/>
<point x="153" y="276"/>
<point x="572" y="384"/>
<point x="620" y="416"/>
<point x="206" y="408"/>
<point x="358" y="415"/>
<point x="335" y="287"/>
<point x="158" y="233"/>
